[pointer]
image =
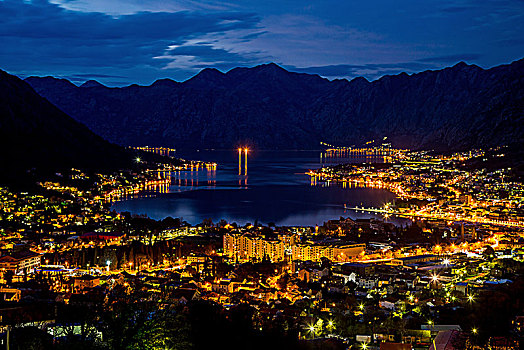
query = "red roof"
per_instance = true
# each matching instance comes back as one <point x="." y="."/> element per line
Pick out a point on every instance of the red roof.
<point x="105" y="236"/>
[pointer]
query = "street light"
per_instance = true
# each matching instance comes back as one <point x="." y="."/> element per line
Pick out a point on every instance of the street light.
<point x="312" y="330"/>
<point x="474" y="330"/>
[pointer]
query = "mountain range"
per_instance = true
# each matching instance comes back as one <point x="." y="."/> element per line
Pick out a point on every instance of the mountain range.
<point x="269" y="107"/>
<point x="36" y="135"/>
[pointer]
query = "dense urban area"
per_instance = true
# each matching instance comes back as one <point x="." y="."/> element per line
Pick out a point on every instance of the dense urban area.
<point x="76" y="274"/>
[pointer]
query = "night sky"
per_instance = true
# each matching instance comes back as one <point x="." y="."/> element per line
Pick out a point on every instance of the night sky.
<point x="131" y="41"/>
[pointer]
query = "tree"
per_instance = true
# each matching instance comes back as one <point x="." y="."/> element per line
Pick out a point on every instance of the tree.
<point x="77" y="325"/>
<point x="30" y="338"/>
<point x="165" y="329"/>
<point x="283" y="281"/>
<point x="489" y="253"/>
<point x="207" y="223"/>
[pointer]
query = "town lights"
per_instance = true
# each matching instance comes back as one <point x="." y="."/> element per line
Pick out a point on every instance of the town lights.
<point x="138" y="159"/>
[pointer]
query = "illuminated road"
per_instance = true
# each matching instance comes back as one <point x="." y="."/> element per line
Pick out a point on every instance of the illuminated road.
<point x="447" y="217"/>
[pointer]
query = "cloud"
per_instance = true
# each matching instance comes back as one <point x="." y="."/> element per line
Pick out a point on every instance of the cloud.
<point x="371" y="71"/>
<point x="141" y="41"/>
<point x="451" y="58"/>
<point x="95" y="76"/>
<point x="201" y="55"/>
<point x="59" y="39"/>
<point x="455" y="9"/>
<point x="123" y="7"/>
<point x="254" y="35"/>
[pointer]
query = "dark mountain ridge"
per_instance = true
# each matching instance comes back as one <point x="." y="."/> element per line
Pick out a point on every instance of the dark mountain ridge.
<point x="36" y="135"/>
<point x="266" y="106"/>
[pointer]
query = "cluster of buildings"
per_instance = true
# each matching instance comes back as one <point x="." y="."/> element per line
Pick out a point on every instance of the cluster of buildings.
<point x="243" y="247"/>
<point x="436" y="187"/>
<point x="362" y="283"/>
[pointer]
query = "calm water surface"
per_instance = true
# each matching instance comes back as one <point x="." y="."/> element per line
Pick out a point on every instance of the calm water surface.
<point x="275" y="189"/>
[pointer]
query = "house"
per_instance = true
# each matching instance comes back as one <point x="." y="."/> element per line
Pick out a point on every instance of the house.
<point x="444" y="340"/>
<point x="359" y="268"/>
<point x="347" y="277"/>
<point x="388" y="303"/>
<point x="103" y="236"/>
<point x="20" y="262"/>
<point x="414" y="260"/>
<point x="183" y="295"/>
<point x="308" y="274"/>
<point x="367" y="283"/>
<point x="221" y="286"/>
<point x="462" y="287"/>
<point x="86" y="282"/>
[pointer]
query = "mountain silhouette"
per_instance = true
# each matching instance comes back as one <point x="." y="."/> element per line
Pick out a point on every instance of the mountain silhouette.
<point x="269" y="107"/>
<point x="36" y="135"/>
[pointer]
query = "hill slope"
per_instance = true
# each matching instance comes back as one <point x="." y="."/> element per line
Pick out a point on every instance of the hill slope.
<point x="458" y="107"/>
<point x="34" y="134"/>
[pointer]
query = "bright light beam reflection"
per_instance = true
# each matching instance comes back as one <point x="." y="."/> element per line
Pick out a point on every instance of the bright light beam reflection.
<point x="245" y="160"/>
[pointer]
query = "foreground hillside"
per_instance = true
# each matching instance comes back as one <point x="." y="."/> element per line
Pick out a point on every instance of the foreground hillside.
<point x="36" y="135"/>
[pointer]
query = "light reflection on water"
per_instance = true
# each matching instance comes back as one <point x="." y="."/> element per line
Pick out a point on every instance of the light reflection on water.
<point x="275" y="189"/>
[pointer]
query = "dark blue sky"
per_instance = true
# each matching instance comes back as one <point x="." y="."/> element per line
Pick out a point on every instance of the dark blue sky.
<point x="133" y="41"/>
